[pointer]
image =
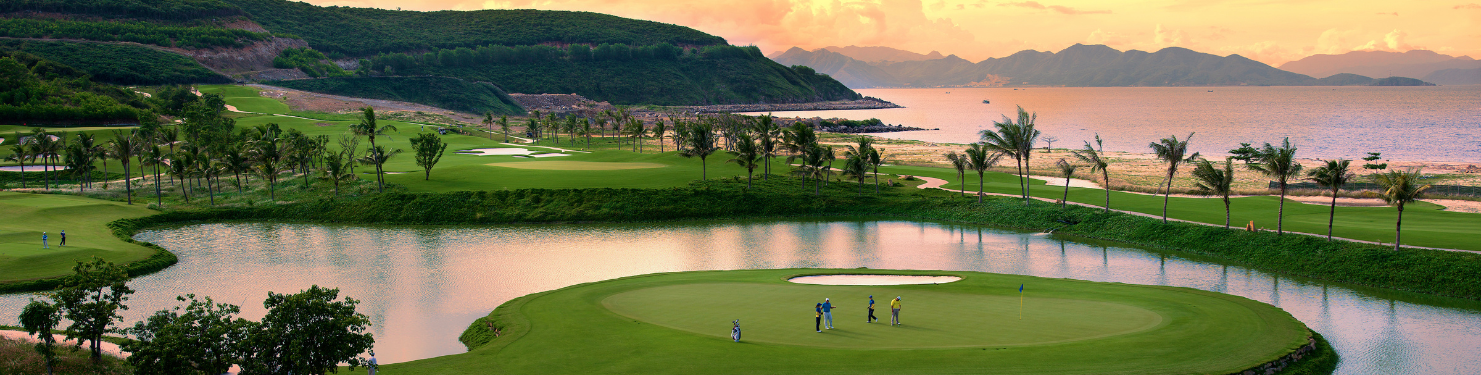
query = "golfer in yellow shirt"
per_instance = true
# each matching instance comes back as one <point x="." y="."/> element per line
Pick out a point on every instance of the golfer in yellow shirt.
<point x="895" y="311"/>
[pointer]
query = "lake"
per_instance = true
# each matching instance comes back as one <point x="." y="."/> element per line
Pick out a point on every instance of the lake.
<point x="1441" y="123"/>
<point x="421" y="286"/>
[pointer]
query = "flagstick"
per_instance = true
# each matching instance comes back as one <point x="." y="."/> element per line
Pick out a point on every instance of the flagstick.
<point x="1020" y="305"/>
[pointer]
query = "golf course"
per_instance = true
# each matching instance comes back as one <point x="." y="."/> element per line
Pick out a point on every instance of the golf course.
<point x="680" y="323"/>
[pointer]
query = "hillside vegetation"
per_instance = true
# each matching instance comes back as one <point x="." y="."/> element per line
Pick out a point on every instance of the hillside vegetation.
<point x="166" y="10"/>
<point x="120" y="64"/>
<point x="441" y="92"/>
<point x="367" y="31"/>
<point x="34" y="89"/>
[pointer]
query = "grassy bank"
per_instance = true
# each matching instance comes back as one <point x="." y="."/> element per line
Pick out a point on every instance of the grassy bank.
<point x="94" y="228"/>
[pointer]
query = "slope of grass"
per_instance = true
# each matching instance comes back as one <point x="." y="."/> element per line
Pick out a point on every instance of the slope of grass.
<point x="441" y="92"/>
<point x="22" y="258"/>
<point x="679" y="323"/>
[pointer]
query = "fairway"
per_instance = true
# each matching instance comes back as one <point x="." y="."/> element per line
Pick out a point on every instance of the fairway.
<point x="84" y="219"/>
<point x="679" y="323"/>
<point x="564" y="165"/>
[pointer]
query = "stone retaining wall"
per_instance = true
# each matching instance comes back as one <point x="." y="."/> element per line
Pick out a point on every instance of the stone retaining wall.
<point x="1273" y="367"/>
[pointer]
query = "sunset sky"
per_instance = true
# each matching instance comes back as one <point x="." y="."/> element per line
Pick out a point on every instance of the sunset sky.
<point x="1271" y="31"/>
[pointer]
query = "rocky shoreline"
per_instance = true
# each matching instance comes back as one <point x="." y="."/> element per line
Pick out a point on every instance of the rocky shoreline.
<point x="866" y="103"/>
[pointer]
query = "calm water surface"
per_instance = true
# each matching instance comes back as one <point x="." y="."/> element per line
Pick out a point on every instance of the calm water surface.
<point x="421" y="286"/>
<point x="1404" y="123"/>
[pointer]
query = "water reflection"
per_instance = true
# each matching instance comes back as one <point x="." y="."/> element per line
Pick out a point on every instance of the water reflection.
<point x="422" y="286"/>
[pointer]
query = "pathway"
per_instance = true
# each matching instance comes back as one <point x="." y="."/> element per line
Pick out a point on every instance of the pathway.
<point x="936" y="183"/>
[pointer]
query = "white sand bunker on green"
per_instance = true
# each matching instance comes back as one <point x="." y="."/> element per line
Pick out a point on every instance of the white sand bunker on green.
<point x="872" y="279"/>
<point x="563" y="165"/>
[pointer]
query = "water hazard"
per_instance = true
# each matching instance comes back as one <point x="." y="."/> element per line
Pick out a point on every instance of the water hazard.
<point x="422" y="286"/>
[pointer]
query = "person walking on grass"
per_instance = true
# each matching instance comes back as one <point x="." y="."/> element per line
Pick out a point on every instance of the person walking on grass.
<point x="827" y="314"/>
<point x="817" y="319"/>
<point x="871" y="319"/>
<point x="895" y="311"/>
<point x="64" y="238"/>
<point x="43" y="241"/>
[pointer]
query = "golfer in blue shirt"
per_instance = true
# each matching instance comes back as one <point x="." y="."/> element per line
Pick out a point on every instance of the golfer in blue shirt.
<point x="827" y="314"/>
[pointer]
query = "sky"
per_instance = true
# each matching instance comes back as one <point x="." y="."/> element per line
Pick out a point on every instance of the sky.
<point x="1270" y="31"/>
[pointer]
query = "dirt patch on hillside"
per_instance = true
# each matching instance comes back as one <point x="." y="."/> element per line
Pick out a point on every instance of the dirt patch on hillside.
<point x="560" y="104"/>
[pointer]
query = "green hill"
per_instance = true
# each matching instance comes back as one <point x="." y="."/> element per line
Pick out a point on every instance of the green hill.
<point x="441" y="92"/>
<point x="120" y="64"/>
<point x="36" y="90"/>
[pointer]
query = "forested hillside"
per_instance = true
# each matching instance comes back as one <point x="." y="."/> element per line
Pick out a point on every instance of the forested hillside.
<point x="37" y="90"/>
<point x="441" y="92"/>
<point x="120" y="64"/>
<point x="344" y="31"/>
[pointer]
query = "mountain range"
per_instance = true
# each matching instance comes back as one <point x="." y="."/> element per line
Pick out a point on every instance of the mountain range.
<point x="1428" y="65"/>
<point x="1078" y="65"/>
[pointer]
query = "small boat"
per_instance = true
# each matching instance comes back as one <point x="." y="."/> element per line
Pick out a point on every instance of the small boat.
<point x="984" y="101"/>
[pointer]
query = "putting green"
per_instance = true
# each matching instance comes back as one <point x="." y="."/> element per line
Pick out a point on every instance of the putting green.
<point x="933" y="319"/>
<point x="679" y="323"/>
<point x="563" y="165"/>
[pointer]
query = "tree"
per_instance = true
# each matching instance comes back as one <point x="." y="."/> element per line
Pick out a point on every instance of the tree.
<point x="1049" y="143"/>
<point x="311" y="332"/>
<point x="155" y="156"/>
<point x="1397" y="189"/>
<point x="1245" y="153"/>
<point x="234" y="161"/>
<point x="488" y="122"/>
<point x="701" y="143"/>
<point x="1098" y="163"/>
<point x="1015" y="139"/>
<point x="1371" y="159"/>
<point x="122" y="147"/>
<point x="91" y="298"/>
<point x="504" y="127"/>
<point x="336" y="169"/>
<point x="39" y="318"/>
<point x="659" y="129"/>
<point x="746" y="155"/>
<point x="636" y="130"/>
<point x="959" y="162"/>
<point x="378" y="156"/>
<point x="1172" y="151"/>
<point x="767" y="133"/>
<point x="179" y="168"/>
<point x="980" y="158"/>
<point x="367" y="127"/>
<point x="266" y="156"/>
<point x="1279" y="163"/>
<point x="201" y="338"/>
<point x="876" y="159"/>
<point x="20" y="153"/>
<point x="1069" y="171"/>
<point x="856" y="161"/>
<point x="428" y="148"/>
<point x="1333" y="176"/>
<point x="1216" y="181"/>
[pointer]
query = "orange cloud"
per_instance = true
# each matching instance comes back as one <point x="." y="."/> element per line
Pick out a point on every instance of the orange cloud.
<point x="1467" y="6"/>
<point x="1057" y="8"/>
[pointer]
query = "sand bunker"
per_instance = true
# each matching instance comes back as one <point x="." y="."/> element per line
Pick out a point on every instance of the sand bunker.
<point x="496" y="151"/>
<point x="872" y="279"/>
<point x="577" y="165"/>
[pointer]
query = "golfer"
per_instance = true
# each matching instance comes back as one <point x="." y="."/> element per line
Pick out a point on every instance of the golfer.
<point x="871" y="318"/>
<point x="64" y="237"/>
<point x="818" y="319"/>
<point x="43" y="241"/>
<point x="895" y="311"/>
<point x="827" y="314"/>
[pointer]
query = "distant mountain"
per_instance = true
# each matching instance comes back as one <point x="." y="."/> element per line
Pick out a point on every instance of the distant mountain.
<point x="882" y="54"/>
<point x="852" y="73"/>
<point x="1399" y="81"/>
<point x="1078" y="65"/>
<point x="1456" y="76"/>
<point x="1416" y="63"/>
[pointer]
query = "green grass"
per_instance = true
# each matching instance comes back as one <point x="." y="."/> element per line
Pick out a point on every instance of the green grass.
<point x="1425" y="224"/>
<point x="679" y="323"/>
<point x="84" y="219"/>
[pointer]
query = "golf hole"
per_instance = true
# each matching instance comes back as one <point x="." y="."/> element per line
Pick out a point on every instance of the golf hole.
<point x="872" y="279"/>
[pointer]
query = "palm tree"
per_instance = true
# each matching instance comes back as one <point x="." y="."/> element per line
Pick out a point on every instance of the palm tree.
<point x="43" y="147"/>
<point x="980" y="158"/>
<point x="586" y="131"/>
<point x="1279" y="163"/>
<point x="1068" y="170"/>
<point x="960" y="163"/>
<point x="1398" y="188"/>
<point x="155" y="156"/>
<point x="336" y="169"/>
<point x="701" y="142"/>
<point x="503" y="126"/>
<point x="20" y="153"/>
<point x="378" y="156"/>
<point x="747" y="155"/>
<point x="122" y="147"/>
<point x="876" y="159"/>
<point x="856" y="161"/>
<point x="636" y="131"/>
<point x="179" y="168"/>
<point x="1015" y="139"/>
<point x="1216" y="181"/>
<point x="1098" y="163"/>
<point x="488" y="121"/>
<point x="234" y="161"/>
<point x="367" y="127"/>
<point x="1172" y="151"/>
<point x="659" y="129"/>
<point x="829" y="156"/>
<point x="1333" y="176"/>
<point x="767" y="133"/>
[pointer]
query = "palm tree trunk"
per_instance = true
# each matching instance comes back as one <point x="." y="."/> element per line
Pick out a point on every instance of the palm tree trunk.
<point x="1025" y="179"/>
<point x="1332" y="215"/>
<point x="1280" y="213"/>
<point x="1165" y="195"/>
<point x="979" y="186"/>
<point x="158" y="197"/>
<point x="1063" y="202"/>
<point x="127" y="187"/>
<point x="704" y="170"/>
<point x="749" y="171"/>
<point x="1398" y="225"/>
<point x="876" y="179"/>
<point x="1226" y="211"/>
<point x="1107" y="188"/>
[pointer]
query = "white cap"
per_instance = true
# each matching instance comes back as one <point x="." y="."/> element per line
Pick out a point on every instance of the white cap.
<point x="825" y="299"/>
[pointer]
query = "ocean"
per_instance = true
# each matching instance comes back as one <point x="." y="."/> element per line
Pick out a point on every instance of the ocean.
<point x="1441" y="123"/>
